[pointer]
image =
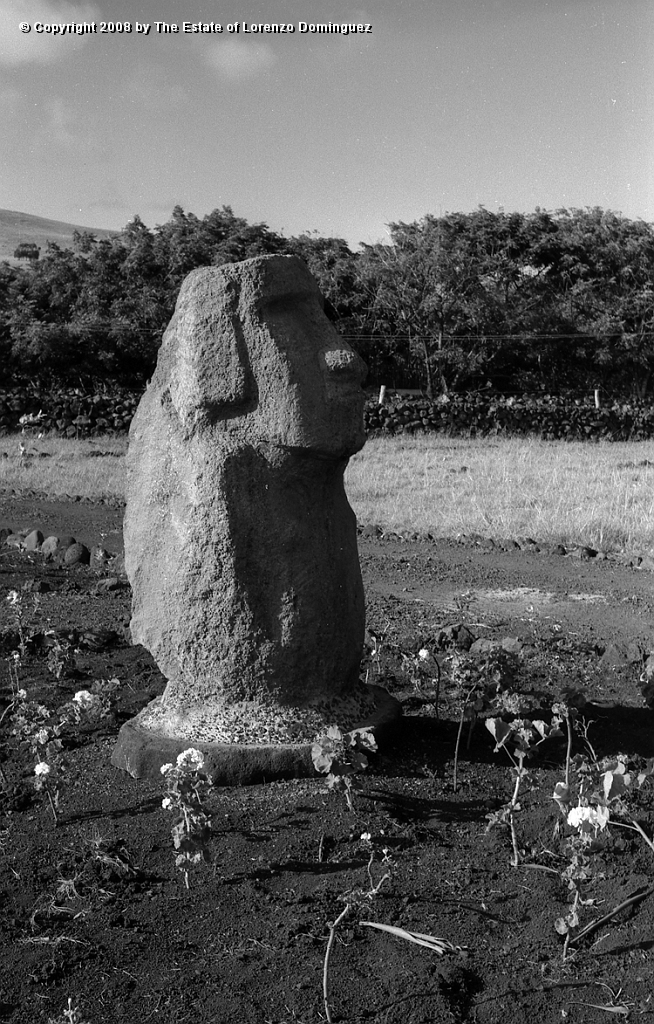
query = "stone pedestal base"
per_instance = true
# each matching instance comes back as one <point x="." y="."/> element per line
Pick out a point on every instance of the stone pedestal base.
<point x="142" y="750"/>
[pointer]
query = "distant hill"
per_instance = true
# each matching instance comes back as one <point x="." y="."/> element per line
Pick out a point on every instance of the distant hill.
<point x="24" y="227"/>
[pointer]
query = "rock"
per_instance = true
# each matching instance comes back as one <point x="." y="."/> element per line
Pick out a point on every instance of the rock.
<point x="16" y="540"/>
<point x="619" y="656"/>
<point x="5" y="531"/>
<point x="583" y="552"/>
<point x="527" y="544"/>
<point x="371" y="531"/>
<point x="33" y="540"/>
<point x="106" y="586"/>
<point x="77" y="554"/>
<point x="511" y="644"/>
<point x="484" y="646"/>
<point x="56" y="545"/>
<point x="457" y="635"/>
<point x="240" y="544"/>
<point x="37" y="587"/>
<point x="647" y="563"/>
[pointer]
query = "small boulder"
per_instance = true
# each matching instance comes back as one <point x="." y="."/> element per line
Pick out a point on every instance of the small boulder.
<point x="56" y="545"/>
<point x="77" y="554"/>
<point x="34" y="540"/>
<point x="106" y="586"/>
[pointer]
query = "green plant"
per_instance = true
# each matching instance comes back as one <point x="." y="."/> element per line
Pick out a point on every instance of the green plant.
<point x="524" y="736"/>
<point x="601" y="799"/>
<point x="35" y="726"/>
<point x="21" y="616"/>
<point x="186" y="789"/>
<point x="342" y="757"/>
<point x="61" y="657"/>
<point x="73" y="1015"/>
<point x="482" y="687"/>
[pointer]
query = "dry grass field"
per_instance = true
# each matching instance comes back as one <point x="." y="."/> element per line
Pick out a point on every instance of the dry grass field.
<point x="596" y="494"/>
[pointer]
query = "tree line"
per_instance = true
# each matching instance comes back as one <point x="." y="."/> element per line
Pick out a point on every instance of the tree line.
<point x="514" y="302"/>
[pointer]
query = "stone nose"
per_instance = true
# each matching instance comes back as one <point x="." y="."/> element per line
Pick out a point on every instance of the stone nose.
<point x="344" y="365"/>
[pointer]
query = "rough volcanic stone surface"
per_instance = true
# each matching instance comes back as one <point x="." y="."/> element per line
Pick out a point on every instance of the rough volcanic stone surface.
<point x="240" y="544"/>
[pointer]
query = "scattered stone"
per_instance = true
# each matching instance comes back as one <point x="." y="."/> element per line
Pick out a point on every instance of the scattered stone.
<point x="647" y="563"/>
<point x="111" y="583"/>
<point x="77" y="554"/>
<point x="5" y="531"/>
<point x="457" y="635"/>
<point x="37" y="587"/>
<point x="582" y="552"/>
<point x="16" y="540"/>
<point x="56" y="545"/>
<point x="511" y="645"/>
<point x="527" y="544"/>
<point x="620" y="656"/>
<point x="484" y="646"/>
<point x="33" y="541"/>
<point x="371" y="531"/>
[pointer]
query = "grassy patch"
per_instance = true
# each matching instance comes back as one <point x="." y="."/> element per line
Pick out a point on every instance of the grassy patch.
<point x="59" y="466"/>
<point x="597" y="494"/>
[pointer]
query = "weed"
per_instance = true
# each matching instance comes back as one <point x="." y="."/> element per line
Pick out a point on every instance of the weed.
<point x="73" y="1015"/>
<point x="524" y="736"/>
<point x="342" y="757"/>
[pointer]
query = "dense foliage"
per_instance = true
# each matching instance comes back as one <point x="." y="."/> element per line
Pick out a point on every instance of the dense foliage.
<point x="548" y="302"/>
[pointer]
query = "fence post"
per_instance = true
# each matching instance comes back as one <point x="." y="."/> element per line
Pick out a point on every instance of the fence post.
<point x="597" y="398"/>
<point x="382" y="395"/>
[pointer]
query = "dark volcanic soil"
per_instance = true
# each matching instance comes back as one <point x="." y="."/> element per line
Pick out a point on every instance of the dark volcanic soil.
<point x="95" y="910"/>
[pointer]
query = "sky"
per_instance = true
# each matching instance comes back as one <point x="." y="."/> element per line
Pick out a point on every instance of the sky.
<point x="443" y="106"/>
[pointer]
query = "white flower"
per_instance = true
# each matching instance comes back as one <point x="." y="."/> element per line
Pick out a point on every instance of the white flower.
<point x="366" y="837"/>
<point x="13" y="597"/>
<point x="21" y="695"/>
<point x="423" y="654"/>
<point x="42" y="737"/>
<point x="166" y="803"/>
<point x="190" y="759"/>
<point x="165" y="768"/>
<point x="588" y="818"/>
<point x="84" y="697"/>
<point x="42" y="768"/>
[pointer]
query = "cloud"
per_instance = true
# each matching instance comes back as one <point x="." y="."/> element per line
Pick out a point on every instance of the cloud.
<point x="236" y="60"/>
<point x="18" y="47"/>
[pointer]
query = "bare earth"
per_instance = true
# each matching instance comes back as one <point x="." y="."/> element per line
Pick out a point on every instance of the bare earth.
<point x="246" y="942"/>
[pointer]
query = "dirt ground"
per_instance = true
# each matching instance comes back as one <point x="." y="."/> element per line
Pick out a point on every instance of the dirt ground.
<point x="95" y="911"/>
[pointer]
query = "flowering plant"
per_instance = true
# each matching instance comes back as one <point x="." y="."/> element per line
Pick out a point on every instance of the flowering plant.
<point x="186" y="788"/>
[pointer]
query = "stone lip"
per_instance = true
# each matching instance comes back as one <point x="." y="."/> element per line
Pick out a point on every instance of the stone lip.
<point x="142" y="752"/>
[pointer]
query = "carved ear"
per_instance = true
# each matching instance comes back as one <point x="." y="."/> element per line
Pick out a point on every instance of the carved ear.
<point x="204" y="351"/>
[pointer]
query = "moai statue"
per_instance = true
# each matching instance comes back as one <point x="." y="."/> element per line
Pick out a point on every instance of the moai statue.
<point x="240" y="544"/>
